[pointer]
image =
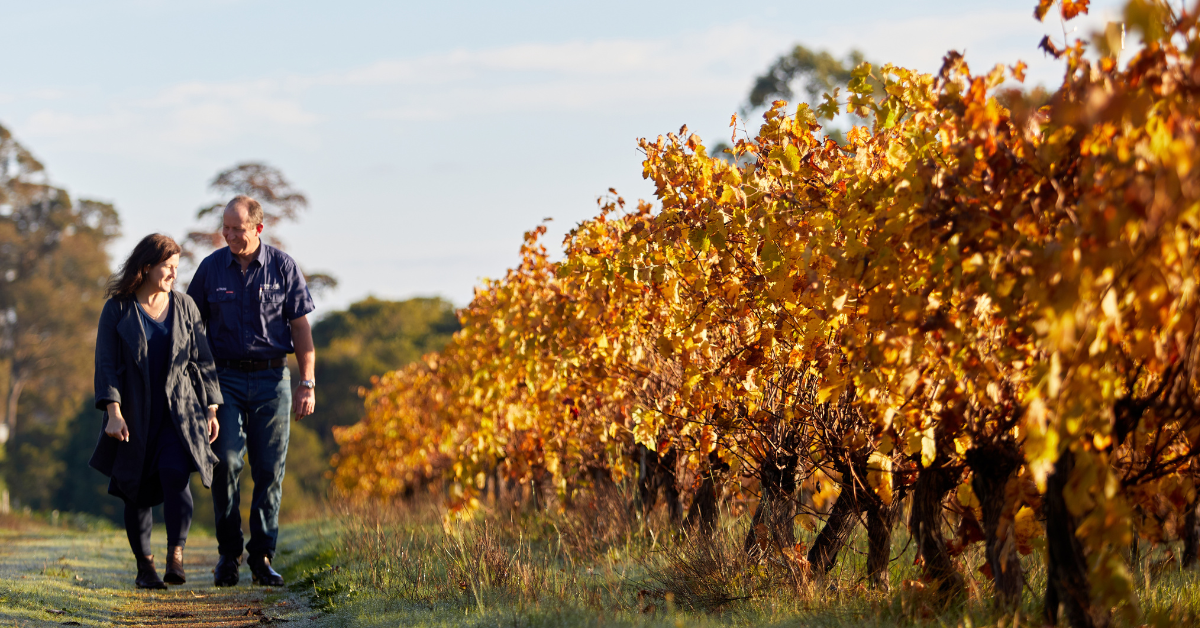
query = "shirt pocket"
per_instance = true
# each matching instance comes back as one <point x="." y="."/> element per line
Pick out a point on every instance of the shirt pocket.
<point x="224" y="309"/>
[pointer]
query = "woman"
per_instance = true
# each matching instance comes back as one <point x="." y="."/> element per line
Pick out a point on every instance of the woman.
<point x="154" y="378"/>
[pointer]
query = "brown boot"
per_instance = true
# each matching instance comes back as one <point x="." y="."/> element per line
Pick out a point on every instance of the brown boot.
<point x="147" y="575"/>
<point x="175" y="573"/>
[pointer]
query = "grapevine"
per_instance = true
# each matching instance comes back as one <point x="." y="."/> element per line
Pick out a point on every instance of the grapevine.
<point x="981" y="303"/>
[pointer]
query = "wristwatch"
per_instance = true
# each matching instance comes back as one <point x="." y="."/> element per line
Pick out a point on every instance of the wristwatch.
<point x="308" y="383"/>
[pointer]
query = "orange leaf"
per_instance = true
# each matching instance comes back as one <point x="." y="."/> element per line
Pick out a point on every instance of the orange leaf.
<point x="1074" y="8"/>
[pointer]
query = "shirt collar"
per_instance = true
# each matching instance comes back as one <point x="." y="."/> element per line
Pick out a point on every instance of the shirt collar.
<point x="261" y="257"/>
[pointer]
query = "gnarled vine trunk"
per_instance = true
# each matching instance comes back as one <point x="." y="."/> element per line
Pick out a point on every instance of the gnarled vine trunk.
<point x="993" y="466"/>
<point x="776" y="512"/>
<point x="657" y="473"/>
<point x="702" y="514"/>
<point x="603" y="488"/>
<point x="1190" y="534"/>
<point x="881" y="520"/>
<point x="822" y="556"/>
<point x="1066" y="574"/>
<point x="857" y="501"/>
<point x="932" y="485"/>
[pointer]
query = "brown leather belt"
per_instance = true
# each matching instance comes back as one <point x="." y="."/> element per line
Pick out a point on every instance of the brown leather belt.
<point x="251" y="365"/>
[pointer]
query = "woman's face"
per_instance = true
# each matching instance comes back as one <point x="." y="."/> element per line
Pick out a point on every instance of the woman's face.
<point x="161" y="278"/>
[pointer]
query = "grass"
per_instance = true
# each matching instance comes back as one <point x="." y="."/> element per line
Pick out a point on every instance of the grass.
<point x="380" y="566"/>
<point x="77" y="571"/>
<point x="52" y="574"/>
<point x="373" y="565"/>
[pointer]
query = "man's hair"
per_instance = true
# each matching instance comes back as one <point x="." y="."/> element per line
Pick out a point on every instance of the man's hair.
<point x="153" y="250"/>
<point x="252" y="207"/>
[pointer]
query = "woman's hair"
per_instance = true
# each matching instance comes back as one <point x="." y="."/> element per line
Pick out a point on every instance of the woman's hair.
<point x="153" y="250"/>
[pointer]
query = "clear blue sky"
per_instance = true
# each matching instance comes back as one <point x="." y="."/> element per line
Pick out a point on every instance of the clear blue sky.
<point x="428" y="136"/>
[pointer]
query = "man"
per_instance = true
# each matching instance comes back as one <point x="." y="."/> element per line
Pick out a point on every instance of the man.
<point x="255" y="303"/>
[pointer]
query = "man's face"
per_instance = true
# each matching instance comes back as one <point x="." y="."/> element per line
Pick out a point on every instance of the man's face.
<point x="240" y="234"/>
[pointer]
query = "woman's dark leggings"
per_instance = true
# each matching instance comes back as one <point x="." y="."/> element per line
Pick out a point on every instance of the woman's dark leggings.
<point x="177" y="510"/>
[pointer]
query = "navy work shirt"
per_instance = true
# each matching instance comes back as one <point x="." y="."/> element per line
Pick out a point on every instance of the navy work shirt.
<point x="247" y="314"/>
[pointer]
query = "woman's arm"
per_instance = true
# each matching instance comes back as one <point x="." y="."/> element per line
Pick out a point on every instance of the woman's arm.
<point x="108" y="380"/>
<point x="108" y="354"/>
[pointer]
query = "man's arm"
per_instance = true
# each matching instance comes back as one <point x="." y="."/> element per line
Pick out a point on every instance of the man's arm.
<point x="304" y="401"/>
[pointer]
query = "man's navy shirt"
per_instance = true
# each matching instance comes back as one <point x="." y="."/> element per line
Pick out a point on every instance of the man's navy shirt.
<point x="247" y="314"/>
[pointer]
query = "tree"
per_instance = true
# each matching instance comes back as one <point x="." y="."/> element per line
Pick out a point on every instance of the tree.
<point x="823" y="77"/>
<point x="266" y="184"/>
<point x="280" y="202"/>
<point x="53" y="267"/>
<point x="821" y="72"/>
<point x="372" y="337"/>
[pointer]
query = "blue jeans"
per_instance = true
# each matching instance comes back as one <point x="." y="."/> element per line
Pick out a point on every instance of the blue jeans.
<point x="254" y="420"/>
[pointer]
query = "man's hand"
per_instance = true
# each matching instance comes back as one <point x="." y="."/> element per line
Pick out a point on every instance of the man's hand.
<point x="214" y="427"/>
<point x="116" y="426"/>
<point x="304" y="402"/>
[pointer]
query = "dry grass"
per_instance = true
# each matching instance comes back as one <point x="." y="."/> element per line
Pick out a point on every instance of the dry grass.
<point x="594" y="565"/>
<point x="708" y="573"/>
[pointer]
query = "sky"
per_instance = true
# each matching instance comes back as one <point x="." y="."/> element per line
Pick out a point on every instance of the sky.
<point x="429" y="136"/>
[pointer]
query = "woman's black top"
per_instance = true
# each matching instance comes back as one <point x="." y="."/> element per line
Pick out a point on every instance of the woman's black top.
<point x="163" y="447"/>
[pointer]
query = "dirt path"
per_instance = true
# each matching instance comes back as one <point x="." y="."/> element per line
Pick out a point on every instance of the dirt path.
<point x="53" y="577"/>
<point x="199" y="603"/>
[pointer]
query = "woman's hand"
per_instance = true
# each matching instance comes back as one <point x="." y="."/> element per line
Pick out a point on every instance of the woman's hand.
<point x="116" y="426"/>
<point x="213" y="426"/>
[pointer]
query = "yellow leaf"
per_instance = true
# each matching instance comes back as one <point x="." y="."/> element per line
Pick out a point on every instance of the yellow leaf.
<point x="966" y="496"/>
<point x="928" y="447"/>
<point x="1054" y="382"/>
<point x="1026" y="524"/>
<point x="879" y="476"/>
<point x="1109" y="305"/>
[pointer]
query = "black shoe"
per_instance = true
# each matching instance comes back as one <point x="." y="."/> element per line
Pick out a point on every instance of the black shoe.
<point x="261" y="572"/>
<point x="147" y="575"/>
<point x="225" y="574"/>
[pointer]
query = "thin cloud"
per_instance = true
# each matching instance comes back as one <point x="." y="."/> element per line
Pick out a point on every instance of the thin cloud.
<point x="582" y="76"/>
<point x="618" y="76"/>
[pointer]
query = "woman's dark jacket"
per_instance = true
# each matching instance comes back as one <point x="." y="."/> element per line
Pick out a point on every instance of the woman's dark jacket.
<point x="123" y="376"/>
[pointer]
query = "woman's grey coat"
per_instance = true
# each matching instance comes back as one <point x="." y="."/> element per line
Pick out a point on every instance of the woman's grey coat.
<point x="123" y="376"/>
